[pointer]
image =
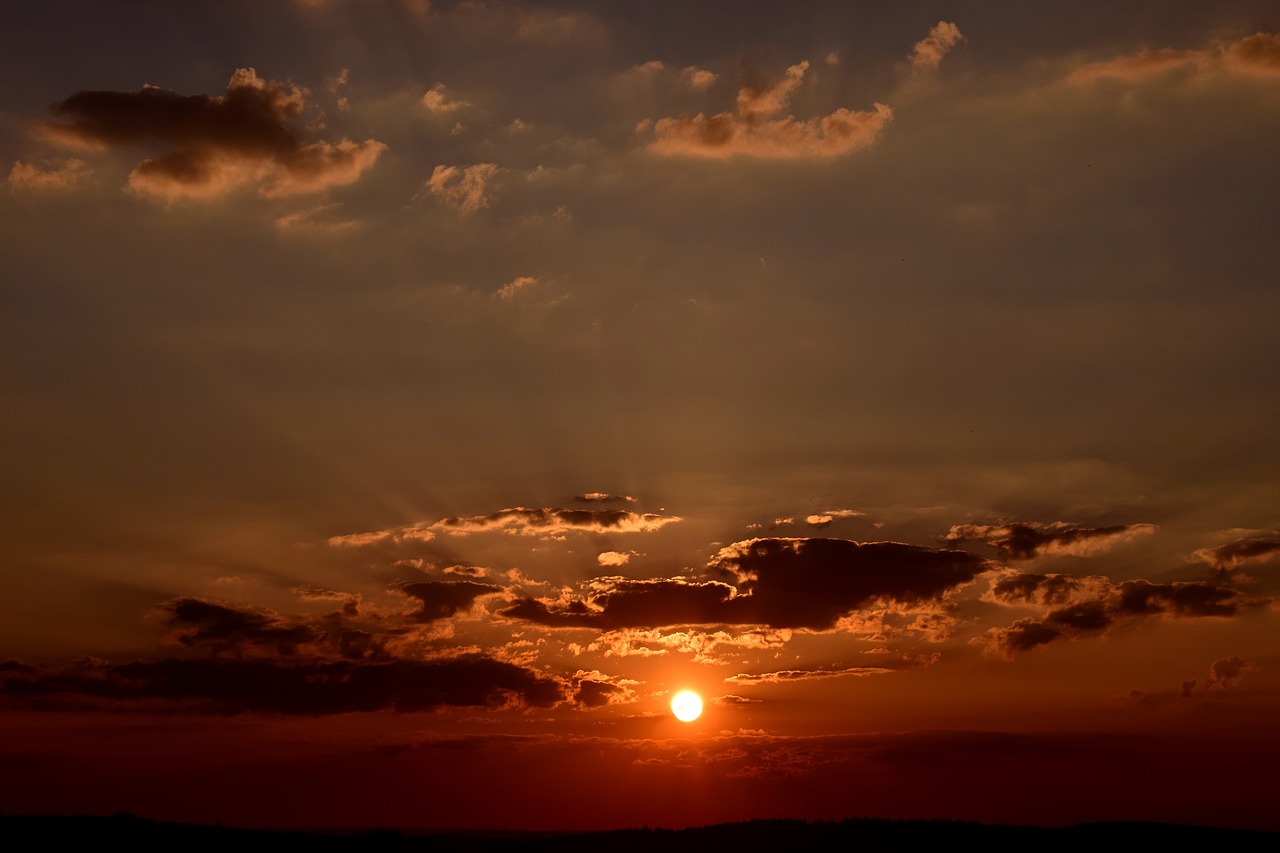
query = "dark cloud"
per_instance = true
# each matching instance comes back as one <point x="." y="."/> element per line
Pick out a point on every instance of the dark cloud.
<point x="227" y="630"/>
<point x="442" y="599"/>
<point x="603" y="497"/>
<point x="597" y="694"/>
<point x="214" y="144"/>
<point x="1232" y="555"/>
<point x="1025" y="540"/>
<point x="812" y="582"/>
<point x="229" y="686"/>
<point x="782" y="583"/>
<point x="1227" y="671"/>
<point x="1038" y="590"/>
<point x="1176" y="599"/>
<point x="554" y="522"/>
<point x="1092" y="605"/>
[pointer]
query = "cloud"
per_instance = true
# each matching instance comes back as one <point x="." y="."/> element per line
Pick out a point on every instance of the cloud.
<point x="604" y="497"/>
<point x="350" y="601"/>
<point x="1046" y="591"/>
<point x="788" y="675"/>
<point x="1226" y="672"/>
<point x="49" y="176"/>
<point x="227" y="630"/>
<point x="697" y="78"/>
<point x="811" y="582"/>
<point x="215" y="144"/>
<point x="613" y="559"/>
<point x="706" y="646"/>
<point x="548" y="522"/>
<point x="824" y="518"/>
<point x="516" y="285"/>
<point x="1256" y="56"/>
<point x="408" y="533"/>
<point x="1095" y="604"/>
<point x="231" y="686"/>
<point x="1025" y="540"/>
<point x="316" y="220"/>
<point x="1232" y="555"/>
<point x="443" y="599"/>
<point x="436" y="101"/>
<point x="595" y="690"/>
<point x="466" y="571"/>
<point x="929" y="51"/>
<point x="624" y="603"/>
<point x="464" y="188"/>
<point x="757" y="127"/>
<point x="780" y="583"/>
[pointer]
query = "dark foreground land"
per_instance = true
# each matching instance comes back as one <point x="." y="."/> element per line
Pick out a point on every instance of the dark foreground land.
<point x="123" y="831"/>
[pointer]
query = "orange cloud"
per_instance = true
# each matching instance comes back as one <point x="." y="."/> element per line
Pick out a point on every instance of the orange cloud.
<point x="56" y="176"/>
<point x="436" y="101"/>
<point x="514" y="286"/>
<point x="786" y="675"/>
<point x="216" y="144"/>
<point x="929" y="51"/>
<point x="464" y="188"/>
<point x="1256" y="56"/>
<point x="757" y="129"/>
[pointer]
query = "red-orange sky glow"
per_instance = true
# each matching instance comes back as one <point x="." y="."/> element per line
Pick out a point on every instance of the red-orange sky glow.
<point x="404" y="401"/>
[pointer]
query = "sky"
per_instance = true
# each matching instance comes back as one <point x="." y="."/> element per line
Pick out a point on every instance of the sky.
<point x="402" y="401"/>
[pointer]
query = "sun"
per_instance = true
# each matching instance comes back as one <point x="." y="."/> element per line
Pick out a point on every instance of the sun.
<point x="687" y="706"/>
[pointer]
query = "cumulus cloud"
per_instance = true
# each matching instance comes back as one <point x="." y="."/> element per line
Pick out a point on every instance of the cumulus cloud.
<point x="555" y="522"/>
<point x="758" y="128"/>
<point x="466" y="189"/>
<point x="1093" y="605"/>
<point x="929" y="51"/>
<point x="780" y="583"/>
<point x="1256" y="56"/>
<point x="213" y="144"/>
<point x="443" y="599"/>
<point x="1026" y="540"/>
<point x="613" y="559"/>
<point x="1231" y="556"/>
<point x="315" y="687"/>
<point x="48" y="176"/>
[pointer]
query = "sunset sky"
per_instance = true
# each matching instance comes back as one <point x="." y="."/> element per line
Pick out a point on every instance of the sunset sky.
<point x="403" y="401"/>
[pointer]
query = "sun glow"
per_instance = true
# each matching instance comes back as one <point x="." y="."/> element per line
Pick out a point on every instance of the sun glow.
<point x="687" y="706"/>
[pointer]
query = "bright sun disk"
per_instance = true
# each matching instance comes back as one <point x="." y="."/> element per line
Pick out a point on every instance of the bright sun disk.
<point x="687" y="706"/>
